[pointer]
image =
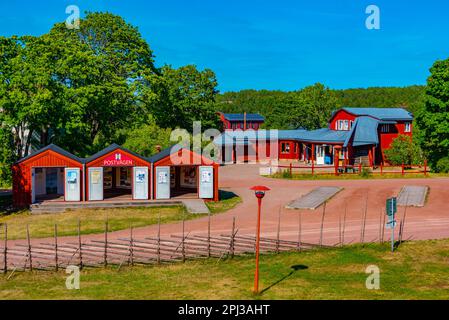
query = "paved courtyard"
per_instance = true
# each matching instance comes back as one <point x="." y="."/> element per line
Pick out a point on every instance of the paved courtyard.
<point x="428" y="222"/>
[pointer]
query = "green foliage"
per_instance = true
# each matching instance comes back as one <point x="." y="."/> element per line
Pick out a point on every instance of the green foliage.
<point x="433" y="118"/>
<point x="366" y="173"/>
<point x="442" y="165"/>
<point x="190" y="97"/>
<point x="286" y="174"/>
<point x="404" y="150"/>
<point x="144" y="139"/>
<point x="312" y="106"/>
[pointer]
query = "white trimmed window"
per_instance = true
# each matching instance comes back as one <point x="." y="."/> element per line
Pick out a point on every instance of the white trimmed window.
<point x="408" y="127"/>
<point x="385" y="128"/>
<point x="342" y="125"/>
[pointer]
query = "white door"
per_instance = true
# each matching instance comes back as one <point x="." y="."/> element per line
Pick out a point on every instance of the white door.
<point x="319" y="155"/>
<point x="72" y="184"/>
<point x="140" y="181"/>
<point x="162" y="182"/>
<point x="33" y="186"/>
<point x="206" y="187"/>
<point x="96" y="183"/>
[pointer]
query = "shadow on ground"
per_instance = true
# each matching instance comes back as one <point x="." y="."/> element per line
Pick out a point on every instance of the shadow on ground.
<point x="294" y="268"/>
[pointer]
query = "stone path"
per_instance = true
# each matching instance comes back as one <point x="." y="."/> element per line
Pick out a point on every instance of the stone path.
<point x="314" y="199"/>
<point x="413" y="196"/>
<point x="196" y="206"/>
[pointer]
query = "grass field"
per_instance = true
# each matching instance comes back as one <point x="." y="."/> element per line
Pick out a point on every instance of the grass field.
<point x="417" y="270"/>
<point x="307" y="176"/>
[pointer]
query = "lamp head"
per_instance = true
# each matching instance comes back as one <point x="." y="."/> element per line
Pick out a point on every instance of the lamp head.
<point x="259" y="191"/>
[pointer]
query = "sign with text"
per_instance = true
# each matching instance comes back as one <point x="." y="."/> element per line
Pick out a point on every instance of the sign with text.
<point x="118" y="159"/>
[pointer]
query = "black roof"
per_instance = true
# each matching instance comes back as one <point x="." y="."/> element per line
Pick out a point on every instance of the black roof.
<point x="164" y="153"/>
<point x="56" y="149"/>
<point x="241" y="117"/>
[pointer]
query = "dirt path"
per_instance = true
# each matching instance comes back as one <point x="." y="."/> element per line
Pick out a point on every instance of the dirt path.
<point x="429" y="222"/>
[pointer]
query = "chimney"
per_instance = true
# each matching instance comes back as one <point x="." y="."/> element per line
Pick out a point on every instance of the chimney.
<point x="244" y="120"/>
<point x="158" y="148"/>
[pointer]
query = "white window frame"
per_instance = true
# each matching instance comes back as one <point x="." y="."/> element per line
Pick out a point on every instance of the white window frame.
<point x="408" y="127"/>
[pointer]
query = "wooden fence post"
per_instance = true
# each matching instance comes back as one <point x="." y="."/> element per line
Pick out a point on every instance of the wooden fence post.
<point x="322" y="224"/>
<point x="56" y="248"/>
<point x="159" y="239"/>
<point x="381" y="168"/>
<point x="131" y="247"/>
<point x="29" y="248"/>
<point x="208" y="234"/>
<point x="232" y="245"/>
<point x="291" y="169"/>
<point x="299" y="231"/>
<point x="105" y="257"/>
<point x="278" y="230"/>
<point x="402" y="169"/>
<point x="363" y="222"/>
<point x="360" y="168"/>
<point x="313" y="167"/>
<point x="344" y="225"/>
<point x="182" y="245"/>
<point x="5" y="251"/>
<point x="80" y="254"/>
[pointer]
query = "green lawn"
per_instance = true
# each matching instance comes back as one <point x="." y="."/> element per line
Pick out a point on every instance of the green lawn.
<point x="228" y="200"/>
<point x="93" y="220"/>
<point x="307" y="176"/>
<point x="417" y="270"/>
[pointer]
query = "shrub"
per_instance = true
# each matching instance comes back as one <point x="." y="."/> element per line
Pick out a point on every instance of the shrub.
<point x="443" y="165"/>
<point x="286" y="174"/>
<point x="365" y="173"/>
<point x="404" y="150"/>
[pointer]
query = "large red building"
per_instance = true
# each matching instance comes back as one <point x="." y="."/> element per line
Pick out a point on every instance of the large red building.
<point x="353" y="135"/>
<point x="55" y="174"/>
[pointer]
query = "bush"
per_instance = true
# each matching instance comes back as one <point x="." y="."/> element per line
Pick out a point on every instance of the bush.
<point x="366" y="172"/>
<point x="443" y="165"/>
<point x="404" y="150"/>
<point x="286" y="174"/>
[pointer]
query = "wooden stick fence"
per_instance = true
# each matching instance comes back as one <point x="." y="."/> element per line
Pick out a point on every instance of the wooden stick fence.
<point x="53" y="255"/>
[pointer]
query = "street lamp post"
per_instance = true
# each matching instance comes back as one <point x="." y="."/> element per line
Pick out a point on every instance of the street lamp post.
<point x="259" y="191"/>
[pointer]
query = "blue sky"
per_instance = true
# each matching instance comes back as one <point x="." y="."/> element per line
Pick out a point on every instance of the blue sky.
<point x="284" y="44"/>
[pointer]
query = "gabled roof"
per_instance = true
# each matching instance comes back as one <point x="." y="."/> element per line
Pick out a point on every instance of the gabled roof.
<point x="172" y="150"/>
<point x="110" y="149"/>
<point x="380" y="113"/>
<point x="240" y="117"/>
<point x="164" y="153"/>
<point x="365" y="131"/>
<point x="53" y="148"/>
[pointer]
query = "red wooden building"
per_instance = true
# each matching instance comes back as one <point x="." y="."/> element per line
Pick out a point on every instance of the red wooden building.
<point x="354" y="135"/>
<point x="114" y="173"/>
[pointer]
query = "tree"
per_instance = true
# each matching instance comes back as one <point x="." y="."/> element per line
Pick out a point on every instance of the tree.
<point x="403" y="150"/>
<point x="314" y="106"/>
<point x="145" y="138"/>
<point x="433" y="118"/>
<point x="28" y="94"/>
<point x="101" y="67"/>
<point x="190" y="96"/>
